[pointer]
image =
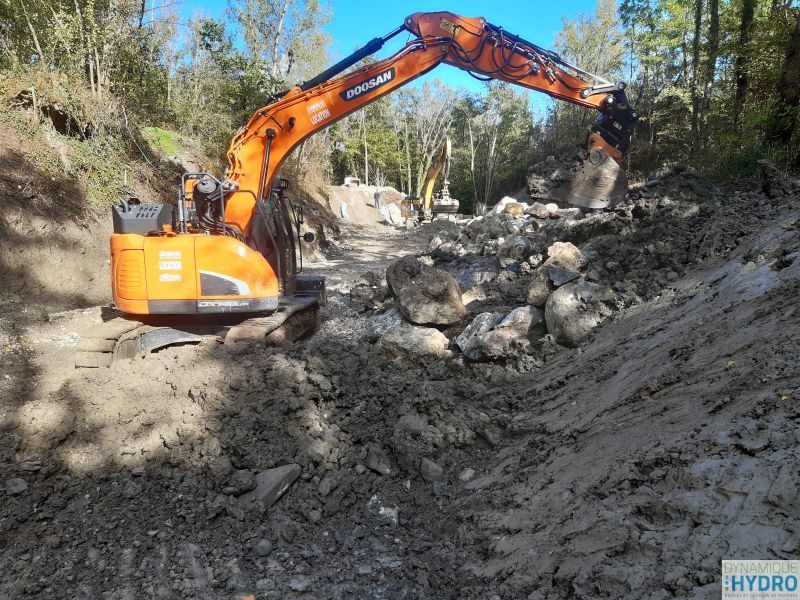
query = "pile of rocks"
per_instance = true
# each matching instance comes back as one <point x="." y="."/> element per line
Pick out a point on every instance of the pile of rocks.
<point x="530" y="277"/>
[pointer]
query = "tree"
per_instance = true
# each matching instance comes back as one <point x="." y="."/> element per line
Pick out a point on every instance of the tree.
<point x="741" y="74"/>
<point x="787" y="107"/>
<point x="498" y="139"/>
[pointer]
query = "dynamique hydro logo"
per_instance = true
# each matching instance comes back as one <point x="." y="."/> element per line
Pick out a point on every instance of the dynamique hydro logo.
<point x="760" y="579"/>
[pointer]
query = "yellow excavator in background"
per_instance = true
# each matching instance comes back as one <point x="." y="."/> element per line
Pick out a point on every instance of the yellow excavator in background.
<point x="430" y="206"/>
<point x="442" y="203"/>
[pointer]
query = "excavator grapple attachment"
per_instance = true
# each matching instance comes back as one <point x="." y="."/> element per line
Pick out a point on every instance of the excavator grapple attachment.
<point x="599" y="183"/>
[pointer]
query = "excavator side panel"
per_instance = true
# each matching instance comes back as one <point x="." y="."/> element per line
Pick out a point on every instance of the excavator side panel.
<point x="190" y="274"/>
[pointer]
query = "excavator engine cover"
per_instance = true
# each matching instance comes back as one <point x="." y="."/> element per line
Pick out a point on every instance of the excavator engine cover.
<point x="599" y="183"/>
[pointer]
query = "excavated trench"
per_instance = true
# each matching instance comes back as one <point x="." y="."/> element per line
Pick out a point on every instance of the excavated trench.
<point x="367" y="463"/>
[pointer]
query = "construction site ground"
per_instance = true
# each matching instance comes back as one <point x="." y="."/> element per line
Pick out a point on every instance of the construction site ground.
<point x="625" y="467"/>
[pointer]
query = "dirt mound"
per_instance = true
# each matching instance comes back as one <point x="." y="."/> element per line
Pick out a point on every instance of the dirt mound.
<point x="355" y="205"/>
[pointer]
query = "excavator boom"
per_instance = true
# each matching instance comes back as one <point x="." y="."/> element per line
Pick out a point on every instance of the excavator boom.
<point x="485" y="50"/>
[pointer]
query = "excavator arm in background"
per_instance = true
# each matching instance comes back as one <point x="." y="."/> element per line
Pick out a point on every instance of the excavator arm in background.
<point x="485" y="50"/>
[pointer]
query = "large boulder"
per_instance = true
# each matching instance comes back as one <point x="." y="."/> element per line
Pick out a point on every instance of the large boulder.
<point x="515" y="246"/>
<point x="563" y="265"/>
<point x="472" y="270"/>
<point x="515" y="209"/>
<point x="493" y="336"/>
<point x="491" y="226"/>
<point x="565" y="255"/>
<point x="573" y="310"/>
<point x="410" y="341"/>
<point x="507" y="201"/>
<point x="538" y="210"/>
<point x="425" y="295"/>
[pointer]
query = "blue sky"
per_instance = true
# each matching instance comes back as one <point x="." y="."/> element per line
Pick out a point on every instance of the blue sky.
<point x="355" y="22"/>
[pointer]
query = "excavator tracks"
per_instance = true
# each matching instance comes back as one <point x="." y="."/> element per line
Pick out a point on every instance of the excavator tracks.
<point x="290" y="323"/>
<point x="97" y="349"/>
<point x="120" y="338"/>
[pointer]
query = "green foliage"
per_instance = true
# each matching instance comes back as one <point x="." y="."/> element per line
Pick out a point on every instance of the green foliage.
<point x="720" y="123"/>
<point x="712" y="86"/>
<point x="165" y="141"/>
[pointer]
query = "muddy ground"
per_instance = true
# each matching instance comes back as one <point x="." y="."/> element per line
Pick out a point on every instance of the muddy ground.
<point x="625" y="468"/>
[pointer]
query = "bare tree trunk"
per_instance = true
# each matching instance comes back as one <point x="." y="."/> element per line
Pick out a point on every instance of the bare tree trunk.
<point x="785" y="112"/>
<point x="33" y="33"/>
<point x="698" y="20"/>
<point x="480" y="206"/>
<point x="711" y="69"/>
<point x="740" y="72"/>
<point x="366" y="148"/>
<point x="276" y="44"/>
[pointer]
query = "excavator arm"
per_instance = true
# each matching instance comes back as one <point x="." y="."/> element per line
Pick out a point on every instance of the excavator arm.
<point x="486" y="51"/>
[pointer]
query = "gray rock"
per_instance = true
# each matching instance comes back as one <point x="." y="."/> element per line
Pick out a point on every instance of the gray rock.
<point x="538" y="210"/>
<point x="559" y="276"/>
<point x="539" y="288"/>
<point x="470" y="271"/>
<point x="263" y="547"/>
<point x="220" y="468"/>
<point x="242" y="481"/>
<point x="131" y="490"/>
<point x="570" y="214"/>
<point x="389" y="515"/>
<point x="515" y="247"/>
<point x="378" y="461"/>
<point x="425" y="295"/>
<point x="360" y="469"/>
<point x="491" y="336"/>
<point x="327" y="485"/>
<point x="481" y="324"/>
<point x="466" y="475"/>
<point x="430" y="470"/>
<point x="300" y="583"/>
<point x="491" y="226"/>
<point x="563" y="264"/>
<point x="314" y="516"/>
<point x="575" y="309"/>
<point x="271" y="484"/>
<point x="318" y="451"/>
<point x="412" y="341"/>
<point x="16" y="486"/>
<point x="382" y="323"/>
<point x="413" y="423"/>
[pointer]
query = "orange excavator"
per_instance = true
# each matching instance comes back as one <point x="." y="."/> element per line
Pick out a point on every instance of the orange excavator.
<point x="232" y="248"/>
